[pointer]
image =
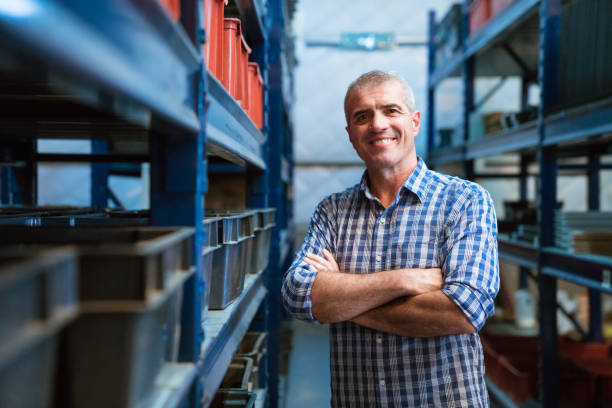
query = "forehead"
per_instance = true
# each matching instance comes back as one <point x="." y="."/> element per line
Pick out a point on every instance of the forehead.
<point x="385" y="93"/>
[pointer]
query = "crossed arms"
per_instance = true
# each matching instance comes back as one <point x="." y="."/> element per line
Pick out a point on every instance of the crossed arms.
<point x="458" y="298"/>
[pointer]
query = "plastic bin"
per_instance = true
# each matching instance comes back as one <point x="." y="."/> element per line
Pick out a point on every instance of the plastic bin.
<point x="234" y="399"/>
<point x="230" y="55"/>
<point x="253" y="346"/>
<point x="211" y="246"/>
<point x="480" y="14"/>
<point x="172" y="7"/>
<point x="117" y="263"/>
<point x="112" y="353"/>
<point x="243" y="68"/>
<point x="255" y="84"/>
<point x="38" y="292"/>
<point x="213" y="25"/>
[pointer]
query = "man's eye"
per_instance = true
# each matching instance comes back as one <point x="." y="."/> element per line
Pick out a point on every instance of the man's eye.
<point x="361" y="118"/>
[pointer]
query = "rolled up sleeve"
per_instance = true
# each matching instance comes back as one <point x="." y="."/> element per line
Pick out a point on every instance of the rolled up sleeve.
<point x="471" y="267"/>
<point x="298" y="281"/>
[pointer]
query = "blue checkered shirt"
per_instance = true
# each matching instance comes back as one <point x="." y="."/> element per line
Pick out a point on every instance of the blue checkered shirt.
<point x="435" y="221"/>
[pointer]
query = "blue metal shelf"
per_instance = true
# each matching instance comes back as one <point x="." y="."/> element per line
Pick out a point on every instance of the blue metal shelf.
<point x="524" y="137"/>
<point x="224" y="329"/>
<point x="592" y="271"/>
<point x="579" y="123"/>
<point x="452" y="68"/>
<point x="128" y="49"/>
<point x="229" y="131"/>
<point x="518" y="253"/>
<point x="446" y="155"/>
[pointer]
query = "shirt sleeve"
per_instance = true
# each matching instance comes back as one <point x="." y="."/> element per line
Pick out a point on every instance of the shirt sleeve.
<point x="298" y="281"/>
<point x="471" y="267"/>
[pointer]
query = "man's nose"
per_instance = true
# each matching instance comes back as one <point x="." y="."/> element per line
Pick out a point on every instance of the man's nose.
<point x="379" y="122"/>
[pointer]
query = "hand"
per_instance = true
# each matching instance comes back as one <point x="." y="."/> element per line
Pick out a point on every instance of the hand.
<point x="327" y="264"/>
<point x="421" y="281"/>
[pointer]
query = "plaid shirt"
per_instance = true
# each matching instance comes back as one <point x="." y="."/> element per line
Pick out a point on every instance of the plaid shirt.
<point x="435" y="221"/>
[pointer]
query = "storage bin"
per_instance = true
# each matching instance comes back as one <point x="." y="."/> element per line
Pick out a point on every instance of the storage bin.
<point x="211" y="245"/>
<point x="234" y="399"/>
<point x="231" y="55"/>
<point x="243" y="68"/>
<point x="238" y="375"/>
<point x="497" y="6"/>
<point x="117" y="263"/>
<point x="213" y="25"/>
<point x="227" y="279"/>
<point x="480" y="13"/>
<point x="110" y="356"/>
<point x="172" y="7"/>
<point x="255" y="84"/>
<point x="253" y="346"/>
<point x="38" y="297"/>
<point x="263" y="235"/>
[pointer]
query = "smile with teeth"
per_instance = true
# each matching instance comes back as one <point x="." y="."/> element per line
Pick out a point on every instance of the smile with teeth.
<point x="384" y="141"/>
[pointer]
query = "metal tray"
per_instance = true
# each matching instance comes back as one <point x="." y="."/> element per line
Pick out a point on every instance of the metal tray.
<point x="116" y="263"/>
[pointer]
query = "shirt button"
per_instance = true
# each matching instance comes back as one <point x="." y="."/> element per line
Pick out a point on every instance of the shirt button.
<point x="382" y="383"/>
<point x="378" y="338"/>
<point x="378" y="258"/>
<point x="382" y="220"/>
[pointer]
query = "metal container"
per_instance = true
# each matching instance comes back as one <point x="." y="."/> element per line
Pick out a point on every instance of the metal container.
<point x="263" y="234"/>
<point x="38" y="297"/>
<point x="210" y="247"/>
<point x="122" y="345"/>
<point x="225" y="276"/>
<point x="238" y="375"/>
<point x="253" y="346"/>
<point x="234" y="399"/>
<point x="117" y="263"/>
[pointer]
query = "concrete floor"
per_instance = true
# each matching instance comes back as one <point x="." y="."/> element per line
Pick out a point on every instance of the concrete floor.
<point x="308" y="375"/>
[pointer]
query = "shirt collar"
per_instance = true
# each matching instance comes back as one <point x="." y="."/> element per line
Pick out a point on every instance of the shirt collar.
<point x="417" y="182"/>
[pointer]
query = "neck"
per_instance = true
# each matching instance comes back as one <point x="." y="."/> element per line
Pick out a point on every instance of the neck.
<point x="385" y="183"/>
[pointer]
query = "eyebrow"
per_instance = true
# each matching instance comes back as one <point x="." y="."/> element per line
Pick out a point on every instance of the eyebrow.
<point x="359" y="112"/>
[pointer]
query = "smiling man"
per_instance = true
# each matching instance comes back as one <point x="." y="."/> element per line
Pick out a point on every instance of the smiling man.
<point x="403" y="266"/>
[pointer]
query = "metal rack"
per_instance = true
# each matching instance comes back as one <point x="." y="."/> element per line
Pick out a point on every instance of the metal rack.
<point x="582" y="130"/>
<point x="125" y="76"/>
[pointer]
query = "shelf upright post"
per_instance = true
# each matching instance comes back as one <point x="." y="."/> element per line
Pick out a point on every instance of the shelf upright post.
<point x="468" y="93"/>
<point x="524" y="180"/>
<point x="178" y="185"/>
<point x="258" y="196"/>
<point x="550" y="16"/>
<point x="431" y="91"/>
<point x="99" y="176"/>
<point x="18" y="179"/>
<point x="275" y="25"/>
<point x="595" y="312"/>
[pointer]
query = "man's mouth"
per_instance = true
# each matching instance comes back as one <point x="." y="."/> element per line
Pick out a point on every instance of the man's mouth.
<point x="382" y="141"/>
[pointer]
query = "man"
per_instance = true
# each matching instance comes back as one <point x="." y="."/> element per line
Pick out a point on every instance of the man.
<point x="403" y="266"/>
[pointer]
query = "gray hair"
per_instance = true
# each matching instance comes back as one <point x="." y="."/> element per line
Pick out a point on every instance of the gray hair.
<point x="377" y="77"/>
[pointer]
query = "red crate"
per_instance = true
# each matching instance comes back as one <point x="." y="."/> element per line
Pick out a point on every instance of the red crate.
<point x="230" y="55"/>
<point x="498" y="5"/>
<point x="255" y="84"/>
<point x="480" y="14"/>
<point x="213" y="25"/>
<point x="172" y="7"/>
<point x="243" y="69"/>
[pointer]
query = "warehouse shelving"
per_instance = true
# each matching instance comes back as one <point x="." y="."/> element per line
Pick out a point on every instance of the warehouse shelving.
<point x="557" y="132"/>
<point x="137" y="83"/>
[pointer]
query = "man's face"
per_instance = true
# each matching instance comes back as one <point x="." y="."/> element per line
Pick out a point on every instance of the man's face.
<point x="381" y="127"/>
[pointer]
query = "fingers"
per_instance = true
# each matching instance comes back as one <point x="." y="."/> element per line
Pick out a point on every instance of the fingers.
<point x="316" y="262"/>
<point x="329" y="257"/>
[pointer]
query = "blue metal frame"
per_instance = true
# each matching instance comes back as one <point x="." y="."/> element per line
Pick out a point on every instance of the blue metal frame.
<point x="544" y="137"/>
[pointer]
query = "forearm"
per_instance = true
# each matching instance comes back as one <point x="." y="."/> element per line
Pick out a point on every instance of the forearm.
<point x="338" y="297"/>
<point x="425" y="315"/>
